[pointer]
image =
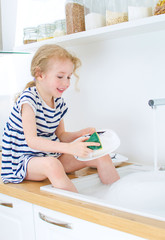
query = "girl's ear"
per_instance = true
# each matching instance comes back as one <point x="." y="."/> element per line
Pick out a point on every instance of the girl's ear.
<point x="38" y="73"/>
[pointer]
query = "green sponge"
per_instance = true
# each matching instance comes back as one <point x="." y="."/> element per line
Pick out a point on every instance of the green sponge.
<point x="94" y="138"/>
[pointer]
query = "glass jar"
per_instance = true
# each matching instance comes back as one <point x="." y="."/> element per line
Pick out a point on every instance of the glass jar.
<point x="45" y="31"/>
<point x="116" y="11"/>
<point x="159" y="7"/>
<point x="94" y="14"/>
<point x="140" y="9"/>
<point x="30" y="35"/>
<point x="74" y="11"/>
<point x="60" y="28"/>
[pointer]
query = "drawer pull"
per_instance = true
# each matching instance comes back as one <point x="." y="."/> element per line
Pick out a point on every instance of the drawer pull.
<point x="9" y="205"/>
<point x="54" y="222"/>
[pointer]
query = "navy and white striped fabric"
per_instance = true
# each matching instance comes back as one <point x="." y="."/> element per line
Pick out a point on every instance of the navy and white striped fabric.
<point x="15" y="151"/>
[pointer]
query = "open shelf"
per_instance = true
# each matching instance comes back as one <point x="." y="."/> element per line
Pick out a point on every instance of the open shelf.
<point x="5" y="53"/>
<point x="139" y="26"/>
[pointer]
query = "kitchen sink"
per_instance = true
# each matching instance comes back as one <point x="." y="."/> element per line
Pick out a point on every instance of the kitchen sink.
<point x="140" y="190"/>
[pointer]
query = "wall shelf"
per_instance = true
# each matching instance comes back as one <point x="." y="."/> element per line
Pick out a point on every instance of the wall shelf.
<point x="139" y="26"/>
<point x="6" y="53"/>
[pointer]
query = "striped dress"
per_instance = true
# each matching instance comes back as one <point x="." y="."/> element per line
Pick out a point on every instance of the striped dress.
<point x="15" y="151"/>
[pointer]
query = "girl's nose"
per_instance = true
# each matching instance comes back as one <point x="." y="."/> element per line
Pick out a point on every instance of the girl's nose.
<point x="67" y="82"/>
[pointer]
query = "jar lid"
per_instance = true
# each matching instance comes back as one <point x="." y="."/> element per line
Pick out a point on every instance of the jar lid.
<point x="30" y="29"/>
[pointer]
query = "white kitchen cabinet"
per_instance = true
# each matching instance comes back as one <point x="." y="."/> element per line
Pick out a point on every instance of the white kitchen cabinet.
<point x="16" y="219"/>
<point x="52" y="225"/>
<point x="20" y="220"/>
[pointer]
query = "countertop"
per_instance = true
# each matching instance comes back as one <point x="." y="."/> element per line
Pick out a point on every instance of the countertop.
<point x="130" y="223"/>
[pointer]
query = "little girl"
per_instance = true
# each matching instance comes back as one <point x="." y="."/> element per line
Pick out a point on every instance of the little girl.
<point x="35" y="143"/>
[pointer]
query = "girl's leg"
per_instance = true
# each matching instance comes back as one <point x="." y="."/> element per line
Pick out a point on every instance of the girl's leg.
<point x="39" y="169"/>
<point x="104" y="165"/>
<point x="106" y="170"/>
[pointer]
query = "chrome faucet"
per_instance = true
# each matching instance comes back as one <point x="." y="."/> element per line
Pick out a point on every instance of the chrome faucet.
<point x="156" y="102"/>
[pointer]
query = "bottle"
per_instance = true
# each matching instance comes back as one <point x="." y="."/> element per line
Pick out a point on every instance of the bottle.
<point x="116" y="11"/>
<point x="140" y="9"/>
<point x="74" y="11"/>
<point x="30" y="35"/>
<point x="159" y="7"/>
<point x="60" y="28"/>
<point x="45" y="31"/>
<point x="94" y="14"/>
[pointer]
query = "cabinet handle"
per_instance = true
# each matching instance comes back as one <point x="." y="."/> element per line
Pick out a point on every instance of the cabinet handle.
<point x="9" y="205"/>
<point x="54" y="222"/>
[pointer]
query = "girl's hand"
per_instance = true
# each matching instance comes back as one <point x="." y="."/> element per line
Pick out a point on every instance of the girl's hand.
<point x="80" y="148"/>
<point x="87" y="131"/>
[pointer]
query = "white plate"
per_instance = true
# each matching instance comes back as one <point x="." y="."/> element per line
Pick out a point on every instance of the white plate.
<point x="110" y="142"/>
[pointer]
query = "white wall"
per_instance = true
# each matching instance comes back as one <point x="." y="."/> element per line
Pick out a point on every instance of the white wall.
<point x="0" y="28"/>
<point x="14" y="74"/>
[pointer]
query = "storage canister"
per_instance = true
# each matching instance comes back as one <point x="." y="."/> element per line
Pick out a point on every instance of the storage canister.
<point x="116" y="11"/>
<point x="60" y="28"/>
<point x="45" y="31"/>
<point x="74" y="11"/>
<point x="30" y="35"/>
<point x="159" y="7"/>
<point x="140" y="9"/>
<point x="94" y="14"/>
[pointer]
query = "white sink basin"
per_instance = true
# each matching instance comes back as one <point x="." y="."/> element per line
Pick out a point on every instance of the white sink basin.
<point x="140" y="191"/>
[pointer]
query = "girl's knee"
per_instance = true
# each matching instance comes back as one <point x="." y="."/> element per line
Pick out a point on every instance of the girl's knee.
<point x="52" y="164"/>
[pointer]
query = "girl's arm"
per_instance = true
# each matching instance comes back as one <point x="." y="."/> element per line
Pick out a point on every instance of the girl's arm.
<point x="71" y="136"/>
<point x="78" y="148"/>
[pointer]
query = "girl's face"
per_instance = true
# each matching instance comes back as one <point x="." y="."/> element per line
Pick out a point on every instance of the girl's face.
<point x="56" y="79"/>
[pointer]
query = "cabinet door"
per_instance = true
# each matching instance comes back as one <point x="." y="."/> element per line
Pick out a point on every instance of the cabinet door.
<point x="52" y="225"/>
<point x="16" y="219"/>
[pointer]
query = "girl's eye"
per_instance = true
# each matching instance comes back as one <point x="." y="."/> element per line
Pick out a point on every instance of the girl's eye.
<point x="60" y="77"/>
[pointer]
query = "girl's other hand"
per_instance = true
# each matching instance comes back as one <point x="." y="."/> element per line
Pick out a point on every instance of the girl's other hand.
<point x="80" y="147"/>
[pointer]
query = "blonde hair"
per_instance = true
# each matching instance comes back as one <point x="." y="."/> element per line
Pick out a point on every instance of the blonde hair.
<point x="44" y="54"/>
